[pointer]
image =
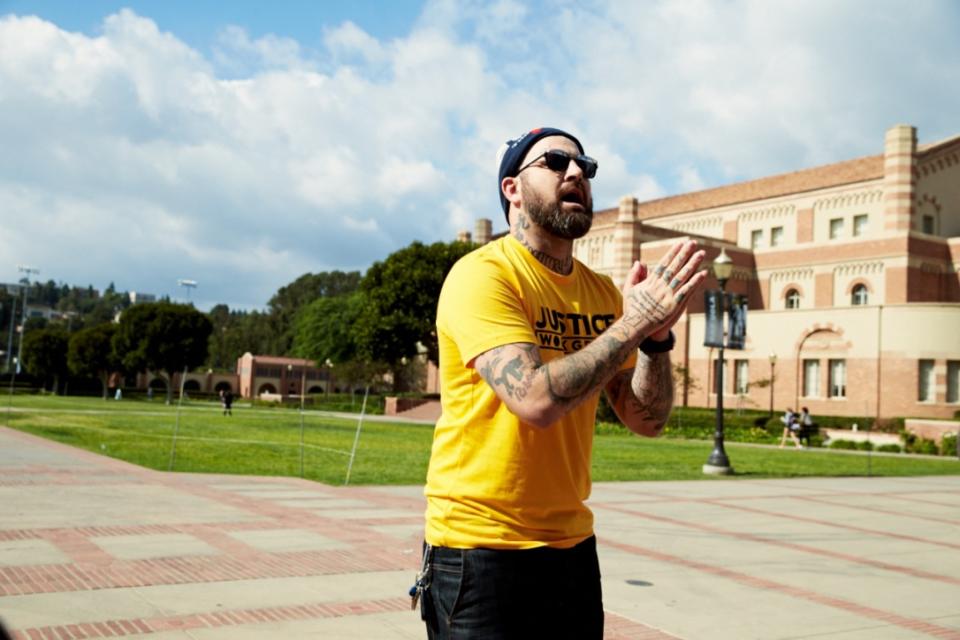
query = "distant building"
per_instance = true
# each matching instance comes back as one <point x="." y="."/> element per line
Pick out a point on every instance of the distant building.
<point x="279" y="376"/>
<point x="851" y="270"/>
<point x="137" y="297"/>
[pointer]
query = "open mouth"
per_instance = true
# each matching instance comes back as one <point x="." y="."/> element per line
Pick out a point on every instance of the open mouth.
<point x="573" y="197"/>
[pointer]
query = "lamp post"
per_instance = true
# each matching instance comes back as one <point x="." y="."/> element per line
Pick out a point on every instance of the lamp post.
<point x="718" y="463"/>
<point x="188" y="285"/>
<point x="23" y="310"/>
<point x="303" y="384"/>
<point x="13" y="322"/>
<point x="773" y="378"/>
<point x="326" y="388"/>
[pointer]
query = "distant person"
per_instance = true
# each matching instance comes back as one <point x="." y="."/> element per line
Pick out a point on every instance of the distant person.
<point x="806" y="425"/>
<point x="791" y="428"/>
<point x="149" y="393"/>
<point x="118" y="395"/>
<point x="227" y="402"/>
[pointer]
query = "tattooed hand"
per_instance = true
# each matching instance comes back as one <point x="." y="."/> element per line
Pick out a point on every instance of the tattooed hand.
<point x="652" y="302"/>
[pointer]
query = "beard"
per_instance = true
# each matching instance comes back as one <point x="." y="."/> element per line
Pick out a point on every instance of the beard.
<point x="551" y="217"/>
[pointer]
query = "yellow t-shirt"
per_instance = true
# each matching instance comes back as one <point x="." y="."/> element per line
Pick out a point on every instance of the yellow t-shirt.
<point x="495" y="481"/>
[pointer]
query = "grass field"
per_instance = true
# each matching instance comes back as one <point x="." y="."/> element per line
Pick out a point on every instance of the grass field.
<point x="265" y="441"/>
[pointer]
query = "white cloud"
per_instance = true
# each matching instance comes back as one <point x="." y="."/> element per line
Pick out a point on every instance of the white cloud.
<point x="349" y="41"/>
<point x="689" y="179"/>
<point x="236" y="46"/>
<point x="141" y="160"/>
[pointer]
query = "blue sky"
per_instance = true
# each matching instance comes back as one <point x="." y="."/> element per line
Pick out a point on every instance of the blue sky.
<point x="242" y="144"/>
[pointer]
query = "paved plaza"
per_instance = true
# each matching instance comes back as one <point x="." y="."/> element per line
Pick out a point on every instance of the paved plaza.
<point x="92" y="547"/>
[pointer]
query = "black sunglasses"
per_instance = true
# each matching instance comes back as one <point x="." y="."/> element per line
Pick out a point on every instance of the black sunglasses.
<point x="557" y="160"/>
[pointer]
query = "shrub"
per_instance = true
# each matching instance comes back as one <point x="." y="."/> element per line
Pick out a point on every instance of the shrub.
<point x="923" y="446"/>
<point x="866" y="445"/>
<point x="843" y="444"/>
<point x="889" y="448"/>
<point x="948" y="445"/>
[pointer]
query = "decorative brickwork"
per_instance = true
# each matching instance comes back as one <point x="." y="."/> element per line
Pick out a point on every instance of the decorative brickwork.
<point x="898" y="181"/>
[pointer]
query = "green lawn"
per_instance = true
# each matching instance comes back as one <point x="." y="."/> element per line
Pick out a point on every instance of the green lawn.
<point x="266" y="441"/>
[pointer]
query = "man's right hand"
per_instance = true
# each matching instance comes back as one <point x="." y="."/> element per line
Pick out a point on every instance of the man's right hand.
<point x="654" y="300"/>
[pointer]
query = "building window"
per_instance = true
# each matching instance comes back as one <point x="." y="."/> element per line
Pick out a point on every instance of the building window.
<point x="716" y="377"/>
<point x="811" y="378"/>
<point x="741" y="380"/>
<point x="776" y="236"/>
<point x="838" y="378"/>
<point x="928" y="225"/>
<point x="756" y="239"/>
<point x="925" y="391"/>
<point x="793" y="299"/>
<point x="860" y="224"/>
<point x="859" y="295"/>
<point x="836" y="228"/>
<point x="953" y="380"/>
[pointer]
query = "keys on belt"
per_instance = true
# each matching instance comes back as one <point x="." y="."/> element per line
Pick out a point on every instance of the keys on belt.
<point x="423" y="578"/>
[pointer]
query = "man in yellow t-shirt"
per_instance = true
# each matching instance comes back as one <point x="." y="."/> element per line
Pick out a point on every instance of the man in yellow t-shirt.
<point x="528" y="338"/>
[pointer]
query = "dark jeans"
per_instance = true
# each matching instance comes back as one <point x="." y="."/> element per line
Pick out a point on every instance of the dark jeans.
<point x="529" y="594"/>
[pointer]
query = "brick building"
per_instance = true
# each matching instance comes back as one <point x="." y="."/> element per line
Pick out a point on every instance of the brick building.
<point x="851" y="270"/>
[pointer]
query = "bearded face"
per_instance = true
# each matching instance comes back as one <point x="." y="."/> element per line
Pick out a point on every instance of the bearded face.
<point x="569" y="223"/>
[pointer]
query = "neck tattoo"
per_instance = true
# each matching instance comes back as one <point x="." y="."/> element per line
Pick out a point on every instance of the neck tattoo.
<point x="563" y="266"/>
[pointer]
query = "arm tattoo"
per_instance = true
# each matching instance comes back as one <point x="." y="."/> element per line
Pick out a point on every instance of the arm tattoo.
<point x="652" y="386"/>
<point x="580" y="374"/>
<point x="509" y="370"/>
<point x="514" y="376"/>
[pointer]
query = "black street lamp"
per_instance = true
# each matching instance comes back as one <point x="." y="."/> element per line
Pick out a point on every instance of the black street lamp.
<point x="718" y="463"/>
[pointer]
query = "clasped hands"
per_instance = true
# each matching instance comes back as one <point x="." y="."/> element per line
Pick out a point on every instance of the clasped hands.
<point x="653" y="301"/>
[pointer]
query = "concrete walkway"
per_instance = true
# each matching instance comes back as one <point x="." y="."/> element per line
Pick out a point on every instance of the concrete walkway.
<point x="92" y="547"/>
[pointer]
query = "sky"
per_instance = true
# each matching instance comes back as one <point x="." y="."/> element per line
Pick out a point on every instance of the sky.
<point x="242" y="144"/>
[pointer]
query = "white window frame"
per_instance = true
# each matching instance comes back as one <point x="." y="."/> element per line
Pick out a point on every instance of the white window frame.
<point x="741" y="377"/>
<point x="926" y="391"/>
<point x="792" y="295"/>
<point x="953" y="381"/>
<point x="859" y="295"/>
<point x="836" y="228"/>
<point x="756" y="239"/>
<point x="811" y="378"/>
<point x="860" y="224"/>
<point x="837" y="386"/>
<point x="776" y="236"/>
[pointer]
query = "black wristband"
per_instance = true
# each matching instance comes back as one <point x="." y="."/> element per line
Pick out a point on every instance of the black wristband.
<point x="652" y="347"/>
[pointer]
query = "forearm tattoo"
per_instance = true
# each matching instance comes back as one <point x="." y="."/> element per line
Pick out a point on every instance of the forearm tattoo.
<point x="513" y="370"/>
<point x="580" y="374"/>
<point x="652" y="388"/>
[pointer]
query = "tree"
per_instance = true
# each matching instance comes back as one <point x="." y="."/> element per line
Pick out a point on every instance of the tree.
<point x="90" y="354"/>
<point x="45" y="354"/>
<point x="287" y="302"/>
<point x="400" y="302"/>
<point x="162" y="337"/>
<point x="237" y="332"/>
<point x="323" y="330"/>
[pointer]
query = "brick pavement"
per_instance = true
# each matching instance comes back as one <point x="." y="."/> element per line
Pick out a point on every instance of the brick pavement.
<point x="92" y="547"/>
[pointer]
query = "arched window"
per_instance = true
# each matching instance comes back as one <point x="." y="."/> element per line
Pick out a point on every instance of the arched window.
<point x="859" y="295"/>
<point x="793" y="299"/>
